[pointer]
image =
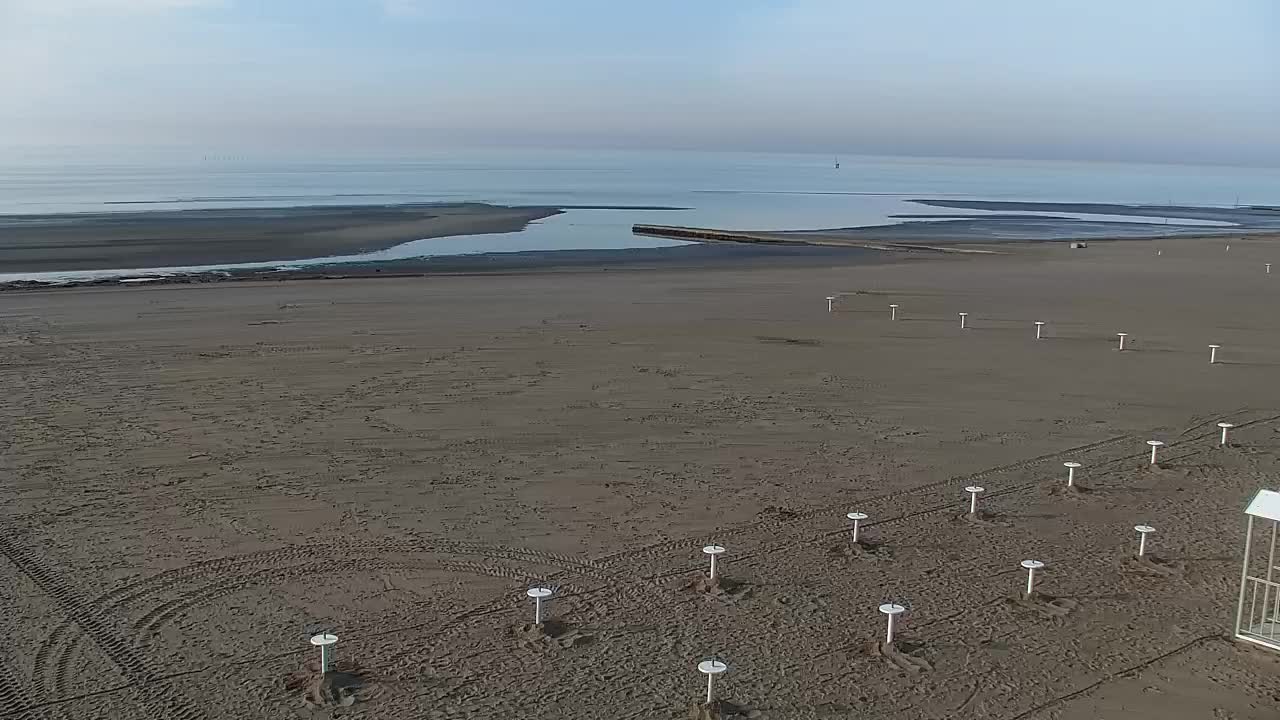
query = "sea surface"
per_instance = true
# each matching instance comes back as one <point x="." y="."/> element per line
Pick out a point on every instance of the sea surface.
<point x="746" y="191"/>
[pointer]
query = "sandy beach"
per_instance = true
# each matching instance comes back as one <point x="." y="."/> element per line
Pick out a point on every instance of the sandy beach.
<point x="200" y="477"/>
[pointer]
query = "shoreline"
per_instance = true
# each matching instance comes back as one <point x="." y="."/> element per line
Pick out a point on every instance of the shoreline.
<point x="692" y="256"/>
<point x="806" y="238"/>
<point x="696" y="256"/>
<point x="206" y="245"/>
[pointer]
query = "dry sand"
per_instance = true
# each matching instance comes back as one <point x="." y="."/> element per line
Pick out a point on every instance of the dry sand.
<point x="198" y="477"/>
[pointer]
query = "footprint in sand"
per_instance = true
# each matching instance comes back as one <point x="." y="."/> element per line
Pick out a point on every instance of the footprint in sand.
<point x="722" y="710"/>
<point x="722" y="588"/>
<point x="983" y="518"/>
<point x="343" y="686"/>
<point x="1051" y="607"/>
<point x="1164" y="471"/>
<point x="1153" y="565"/>
<point x="863" y="548"/>
<point x="1073" y="492"/>
<point x="903" y="653"/>
<point x="550" y="635"/>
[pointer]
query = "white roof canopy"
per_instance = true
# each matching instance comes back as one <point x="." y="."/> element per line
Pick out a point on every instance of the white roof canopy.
<point x="1266" y="504"/>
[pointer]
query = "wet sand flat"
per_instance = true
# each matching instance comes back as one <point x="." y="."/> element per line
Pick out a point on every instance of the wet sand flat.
<point x="1004" y="221"/>
<point x="177" y="238"/>
<point x="199" y="477"/>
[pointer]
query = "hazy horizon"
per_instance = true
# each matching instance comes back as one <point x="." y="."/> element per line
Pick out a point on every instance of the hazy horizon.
<point x="1180" y="81"/>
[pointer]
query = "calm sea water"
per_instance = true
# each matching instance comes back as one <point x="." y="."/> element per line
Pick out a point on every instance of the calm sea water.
<point x="728" y="190"/>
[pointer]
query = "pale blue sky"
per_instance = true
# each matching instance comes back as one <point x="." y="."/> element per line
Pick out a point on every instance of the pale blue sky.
<point x="1163" y="80"/>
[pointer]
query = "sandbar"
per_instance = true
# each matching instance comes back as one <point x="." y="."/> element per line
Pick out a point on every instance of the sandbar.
<point x="168" y="238"/>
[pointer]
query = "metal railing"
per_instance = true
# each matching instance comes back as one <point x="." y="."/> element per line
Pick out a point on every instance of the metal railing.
<point x="1259" y="619"/>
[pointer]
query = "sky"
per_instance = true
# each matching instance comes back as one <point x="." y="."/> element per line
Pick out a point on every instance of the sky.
<point x="1194" y="81"/>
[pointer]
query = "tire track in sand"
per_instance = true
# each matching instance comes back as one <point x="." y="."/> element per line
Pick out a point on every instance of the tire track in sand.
<point x="824" y="508"/>
<point x="160" y="703"/>
<point x="279" y="565"/>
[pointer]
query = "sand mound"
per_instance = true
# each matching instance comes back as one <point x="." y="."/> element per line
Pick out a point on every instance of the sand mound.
<point x="1153" y="565"/>
<point x="550" y="635"/>
<point x="863" y="548"/>
<point x="721" y="710"/>
<point x="1076" y="491"/>
<point x="722" y="588"/>
<point x="905" y="654"/>
<point x="983" y="518"/>
<point x="343" y="686"/>
<point x="1162" y="469"/>
<point x="1046" y="605"/>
